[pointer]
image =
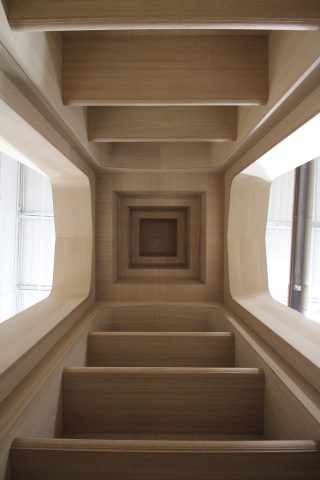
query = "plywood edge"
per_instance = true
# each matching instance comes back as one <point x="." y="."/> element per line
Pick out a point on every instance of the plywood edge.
<point x="160" y="334"/>
<point x="164" y="371"/>
<point x="167" y="446"/>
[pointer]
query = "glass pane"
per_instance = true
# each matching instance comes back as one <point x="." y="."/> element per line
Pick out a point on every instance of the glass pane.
<point x="278" y="236"/>
<point x="27" y="237"/>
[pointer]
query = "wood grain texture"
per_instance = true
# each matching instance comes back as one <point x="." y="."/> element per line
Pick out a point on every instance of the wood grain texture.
<point x="110" y="69"/>
<point x="33" y="64"/>
<point x="292" y="405"/>
<point x="144" y="317"/>
<point x="126" y="349"/>
<point x="155" y="230"/>
<point x="294" y="59"/>
<point x="140" y="460"/>
<point x="23" y="339"/>
<point x="149" y="124"/>
<point x="109" y="187"/>
<point x="123" y="14"/>
<point x="162" y="400"/>
<point x="186" y="265"/>
<point x="173" y="157"/>
<point x="246" y="283"/>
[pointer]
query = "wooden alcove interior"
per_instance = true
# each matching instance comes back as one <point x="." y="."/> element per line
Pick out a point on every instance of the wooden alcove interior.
<point x="144" y="112"/>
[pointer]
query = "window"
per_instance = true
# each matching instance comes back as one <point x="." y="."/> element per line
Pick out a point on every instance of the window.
<point x="27" y="237"/>
<point x="280" y="246"/>
<point x="314" y="275"/>
<point x="278" y="236"/>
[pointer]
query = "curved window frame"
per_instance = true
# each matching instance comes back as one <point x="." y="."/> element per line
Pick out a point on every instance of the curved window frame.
<point x="27" y="136"/>
<point x="294" y="336"/>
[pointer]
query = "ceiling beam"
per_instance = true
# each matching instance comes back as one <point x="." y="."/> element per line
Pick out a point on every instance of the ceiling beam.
<point x="101" y="68"/>
<point x="154" y="124"/>
<point x="145" y="14"/>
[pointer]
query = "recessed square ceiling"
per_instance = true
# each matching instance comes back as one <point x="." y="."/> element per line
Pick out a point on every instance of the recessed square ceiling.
<point x="158" y="237"/>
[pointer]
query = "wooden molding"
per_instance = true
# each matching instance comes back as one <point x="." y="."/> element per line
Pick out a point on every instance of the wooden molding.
<point x="149" y="124"/>
<point x="207" y="286"/>
<point x="179" y="243"/>
<point x="121" y="14"/>
<point x="113" y="69"/>
<point x="187" y="209"/>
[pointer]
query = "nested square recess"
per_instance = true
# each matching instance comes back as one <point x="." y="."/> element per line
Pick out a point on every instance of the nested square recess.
<point x="158" y="237"/>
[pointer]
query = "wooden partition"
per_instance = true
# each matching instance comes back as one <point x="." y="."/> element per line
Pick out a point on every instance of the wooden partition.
<point x="248" y="182"/>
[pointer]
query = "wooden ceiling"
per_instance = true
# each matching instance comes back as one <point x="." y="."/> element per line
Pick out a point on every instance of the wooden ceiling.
<point x="164" y="71"/>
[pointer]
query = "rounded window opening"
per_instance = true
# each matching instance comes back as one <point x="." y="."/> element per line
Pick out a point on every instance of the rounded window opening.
<point x="293" y="239"/>
<point x="27" y="237"/>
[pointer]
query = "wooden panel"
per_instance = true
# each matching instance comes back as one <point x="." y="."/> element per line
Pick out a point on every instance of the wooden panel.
<point x="156" y="318"/>
<point x="128" y="124"/>
<point x="166" y="156"/>
<point x="160" y="349"/>
<point x="148" y="237"/>
<point x="163" y="400"/>
<point x="186" y="265"/>
<point x="113" y="69"/>
<point x="33" y="63"/>
<point x="121" y="14"/>
<point x="210" y="237"/>
<point x="141" y="460"/>
<point x="294" y="59"/>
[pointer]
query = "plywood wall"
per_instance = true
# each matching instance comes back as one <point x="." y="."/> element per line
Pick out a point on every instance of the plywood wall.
<point x="209" y="287"/>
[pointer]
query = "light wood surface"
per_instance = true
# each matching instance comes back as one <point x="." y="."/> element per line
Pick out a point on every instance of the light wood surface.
<point x="173" y="157"/>
<point x="33" y="409"/>
<point x="111" y="69"/>
<point x="146" y="317"/>
<point x="30" y="138"/>
<point x="293" y="56"/>
<point x="149" y="124"/>
<point x="32" y="61"/>
<point x="292" y="405"/>
<point x="162" y="400"/>
<point x="139" y="460"/>
<point x="290" y="409"/>
<point x="123" y="14"/>
<point x="158" y="236"/>
<point x="190" y="237"/>
<point x="246" y="282"/>
<point x="129" y="349"/>
<point x="208" y="287"/>
<point x="294" y="59"/>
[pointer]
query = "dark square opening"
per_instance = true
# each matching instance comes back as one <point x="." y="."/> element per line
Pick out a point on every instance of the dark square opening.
<point x="158" y="237"/>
